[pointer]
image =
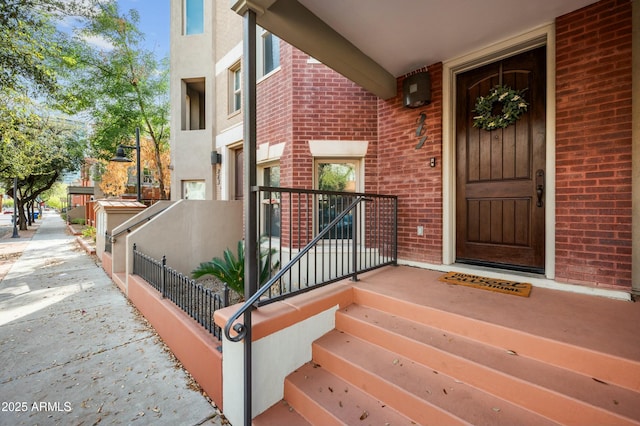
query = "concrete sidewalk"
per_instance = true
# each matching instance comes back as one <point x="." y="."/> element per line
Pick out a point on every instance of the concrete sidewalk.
<point x="73" y="351"/>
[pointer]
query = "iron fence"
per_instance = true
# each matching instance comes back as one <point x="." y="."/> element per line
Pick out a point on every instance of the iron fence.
<point x="193" y="298"/>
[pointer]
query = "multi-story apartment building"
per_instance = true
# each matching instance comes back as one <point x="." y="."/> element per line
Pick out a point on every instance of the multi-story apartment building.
<point x="540" y="189"/>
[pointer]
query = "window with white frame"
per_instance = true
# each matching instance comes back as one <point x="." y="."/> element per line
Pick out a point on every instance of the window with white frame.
<point x="268" y="57"/>
<point x="193" y="189"/>
<point x="339" y="175"/>
<point x="235" y="88"/>
<point x="193" y="17"/>
<point x="271" y="201"/>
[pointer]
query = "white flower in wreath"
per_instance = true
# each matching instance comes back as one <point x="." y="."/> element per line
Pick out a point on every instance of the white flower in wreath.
<point x="513" y="106"/>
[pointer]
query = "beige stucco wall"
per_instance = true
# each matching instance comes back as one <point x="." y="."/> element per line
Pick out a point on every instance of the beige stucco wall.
<point x="188" y="232"/>
<point x="110" y="217"/>
<point x="192" y="57"/>
<point x="118" y="248"/>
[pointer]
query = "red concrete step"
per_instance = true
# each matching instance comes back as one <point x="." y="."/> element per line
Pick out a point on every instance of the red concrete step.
<point x="325" y="399"/>
<point x="599" y="364"/>
<point x="555" y="393"/>
<point x="421" y="393"/>
<point x="280" y="414"/>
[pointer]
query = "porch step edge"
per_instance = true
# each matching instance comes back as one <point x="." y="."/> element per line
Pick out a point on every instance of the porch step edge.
<point x="612" y="369"/>
<point x="322" y="398"/>
<point x="526" y="382"/>
<point x="421" y="393"/>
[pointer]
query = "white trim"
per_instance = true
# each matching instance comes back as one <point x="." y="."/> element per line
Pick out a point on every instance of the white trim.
<point x="337" y="148"/>
<point x="229" y="59"/>
<point x="229" y="136"/>
<point x="541" y="36"/>
<point x="267" y="152"/>
<point x="513" y="276"/>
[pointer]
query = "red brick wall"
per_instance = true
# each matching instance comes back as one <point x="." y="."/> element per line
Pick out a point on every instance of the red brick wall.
<point x="593" y="145"/>
<point x="308" y="101"/>
<point x="404" y="171"/>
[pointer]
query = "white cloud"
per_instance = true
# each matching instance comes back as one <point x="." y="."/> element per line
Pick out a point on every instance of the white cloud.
<point x="99" y="42"/>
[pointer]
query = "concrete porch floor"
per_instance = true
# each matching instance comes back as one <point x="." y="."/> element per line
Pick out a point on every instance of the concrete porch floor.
<point x="593" y="322"/>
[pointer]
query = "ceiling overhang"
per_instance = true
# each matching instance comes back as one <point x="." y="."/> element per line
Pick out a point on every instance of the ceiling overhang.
<point x="296" y="25"/>
<point x="374" y="42"/>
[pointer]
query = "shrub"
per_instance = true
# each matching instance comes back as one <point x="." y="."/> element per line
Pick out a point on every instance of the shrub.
<point x="89" y="232"/>
<point x="78" y="221"/>
<point x="230" y="269"/>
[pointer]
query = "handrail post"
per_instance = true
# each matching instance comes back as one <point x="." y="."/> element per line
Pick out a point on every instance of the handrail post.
<point x="354" y="238"/>
<point x="163" y="277"/>
<point x="135" y="269"/>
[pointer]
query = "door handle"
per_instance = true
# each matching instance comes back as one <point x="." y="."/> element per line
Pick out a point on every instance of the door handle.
<point x="539" y="186"/>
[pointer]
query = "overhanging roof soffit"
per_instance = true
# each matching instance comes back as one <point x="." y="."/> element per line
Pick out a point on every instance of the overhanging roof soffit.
<point x="295" y="24"/>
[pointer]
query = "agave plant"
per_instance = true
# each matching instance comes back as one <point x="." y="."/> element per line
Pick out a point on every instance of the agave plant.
<point x="230" y="268"/>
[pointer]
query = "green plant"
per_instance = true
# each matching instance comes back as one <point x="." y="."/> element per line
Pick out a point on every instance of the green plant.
<point x="230" y="268"/>
<point x="89" y="232"/>
<point x="78" y="221"/>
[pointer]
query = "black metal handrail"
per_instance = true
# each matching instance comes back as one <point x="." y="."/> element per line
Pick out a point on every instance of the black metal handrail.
<point x="128" y="229"/>
<point x="240" y="328"/>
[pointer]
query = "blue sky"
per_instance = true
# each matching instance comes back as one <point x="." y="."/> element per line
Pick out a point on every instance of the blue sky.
<point x="154" y="23"/>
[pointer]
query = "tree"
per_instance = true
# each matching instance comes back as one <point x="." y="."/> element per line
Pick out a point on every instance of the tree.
<point x="55" y="145"/>
<point x="33" y="51"/>
<point x="126" y="87"/>
<point x="116" y="175"/>
<point x="55" y="196"/>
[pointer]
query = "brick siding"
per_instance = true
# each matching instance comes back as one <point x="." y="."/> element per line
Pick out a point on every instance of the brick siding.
<point x="593" y="145"/>
<point x="404" y="171"/>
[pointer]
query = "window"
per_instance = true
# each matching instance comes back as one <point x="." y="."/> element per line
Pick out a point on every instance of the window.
<point x="193" y="190"/>
<point x="193" y="107"/>
<point x="336" y="175"/>
<point x="271" y="202"/>
<point x="268" y="55"/>
<point x="193" y="17"/>
<point x="271" y="49"/>
<point x="341" y="176"/>
<point x="235" y="89"/>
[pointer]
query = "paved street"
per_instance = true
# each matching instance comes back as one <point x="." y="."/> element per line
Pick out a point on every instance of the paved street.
<point x="74" y="352"/>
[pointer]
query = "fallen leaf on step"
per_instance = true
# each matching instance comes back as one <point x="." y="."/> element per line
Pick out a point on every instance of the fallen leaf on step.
<point x="496" y="409"/>
<point x="600" y="381"/>
<point x="510" y="352"/>
<point x="364" y="415"/>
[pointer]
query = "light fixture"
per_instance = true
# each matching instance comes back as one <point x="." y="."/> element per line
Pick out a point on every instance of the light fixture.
<point x="120" y="157"/>
<point x="416" y="90"/>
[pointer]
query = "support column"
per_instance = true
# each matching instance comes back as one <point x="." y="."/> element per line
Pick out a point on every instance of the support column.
<point x="635" y="141"/>
<point x="250" y="198"/>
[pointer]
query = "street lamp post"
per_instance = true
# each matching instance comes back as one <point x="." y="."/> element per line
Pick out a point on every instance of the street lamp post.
<point x="15" y="208"/>
<point x="122" y="158"/>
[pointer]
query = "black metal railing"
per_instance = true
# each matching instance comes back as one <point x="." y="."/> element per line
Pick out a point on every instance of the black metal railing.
<point x="198" y="302"/>
<point x="323" y="237"/>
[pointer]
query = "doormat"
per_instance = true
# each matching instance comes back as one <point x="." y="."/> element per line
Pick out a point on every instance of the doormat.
<point x="491" y="284"/>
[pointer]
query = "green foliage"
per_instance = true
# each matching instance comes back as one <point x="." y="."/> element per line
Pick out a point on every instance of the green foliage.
<point x="78" y="221"/>
<point x="123" y="87"/>
<point x="56" y="196"/>
<point x="230" y="268"/>
<point x="89" y="232"/>
<point x="334" y="176"/>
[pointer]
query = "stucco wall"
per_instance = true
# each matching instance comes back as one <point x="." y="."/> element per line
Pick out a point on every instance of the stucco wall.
<point x="188" y="233"/>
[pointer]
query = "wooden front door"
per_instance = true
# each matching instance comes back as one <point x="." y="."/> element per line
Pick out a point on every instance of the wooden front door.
<point x="501" y="173"/>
